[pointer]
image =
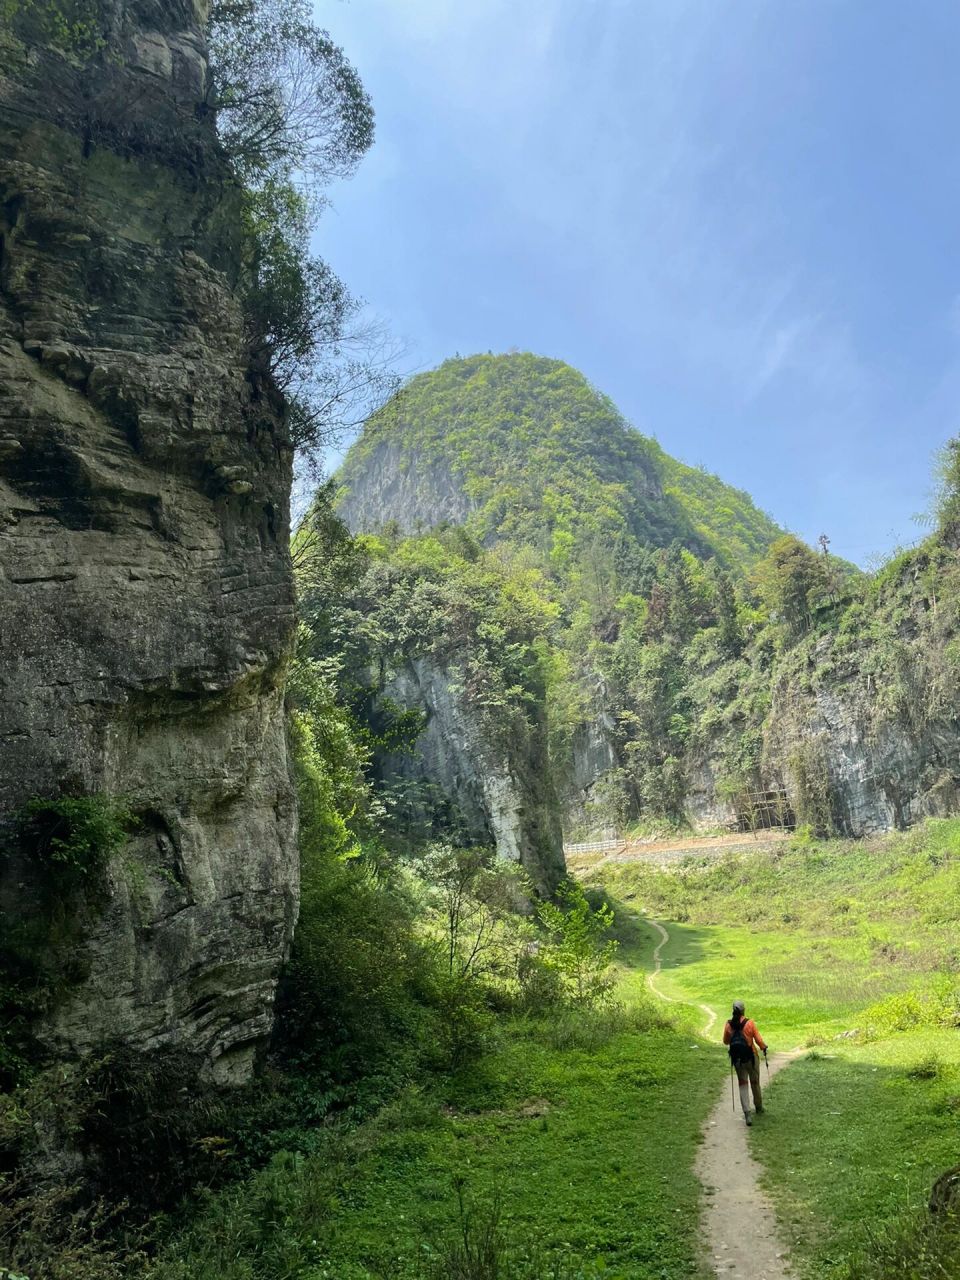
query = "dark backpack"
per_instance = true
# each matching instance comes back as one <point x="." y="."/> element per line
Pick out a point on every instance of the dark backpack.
<point x="740" y="1052"/>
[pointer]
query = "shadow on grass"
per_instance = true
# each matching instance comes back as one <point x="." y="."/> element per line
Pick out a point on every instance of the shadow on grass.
<point x="637" y="939"/>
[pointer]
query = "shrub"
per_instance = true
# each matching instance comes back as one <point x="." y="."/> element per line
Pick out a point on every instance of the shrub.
<point x="937" y="1006"/>
<point x="74" y="836"/>
<point x="928" y="1068"/>
<point x="591" y="1029"/>
<point x="67" y="843"/>
<point x="481" y="1247"/>
<point x="53" y="1232"/>
<point x="477" y="1250"/>
<point x="579" y="950"/>
<point x="921" y="1247"/>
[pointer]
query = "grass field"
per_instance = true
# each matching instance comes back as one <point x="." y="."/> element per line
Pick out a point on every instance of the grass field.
<point x="567" y="1150"/>
<point x="571" y="1144"/>
<point x="852" y="948"/>
<point x="858" y="1137"/>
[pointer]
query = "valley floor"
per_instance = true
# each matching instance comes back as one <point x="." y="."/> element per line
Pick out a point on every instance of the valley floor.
<point x="850" y="951"/>
<point x="570" y="1149"/>
<point x="567" y="1151"/>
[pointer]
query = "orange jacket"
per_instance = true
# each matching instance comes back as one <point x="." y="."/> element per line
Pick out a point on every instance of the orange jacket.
<point x="750" y="1034"/>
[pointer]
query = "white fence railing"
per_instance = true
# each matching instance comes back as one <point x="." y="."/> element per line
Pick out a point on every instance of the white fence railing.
<point x="594" y="846"/>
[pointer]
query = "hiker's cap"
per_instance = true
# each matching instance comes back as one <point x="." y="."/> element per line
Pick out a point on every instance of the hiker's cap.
<point x="738" y="1006"/>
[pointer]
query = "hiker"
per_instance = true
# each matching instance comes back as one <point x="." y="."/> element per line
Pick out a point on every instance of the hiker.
<point x="741" y="1034"/>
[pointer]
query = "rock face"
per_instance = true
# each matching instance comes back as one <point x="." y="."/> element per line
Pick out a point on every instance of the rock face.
<point x="146" y="603"/>
<point x="499" y="793"/>
<point x="398" y="487"/>
<point x="853" y="730"/>
<point x="866" y="777"/>
<point x="835" y="767"/>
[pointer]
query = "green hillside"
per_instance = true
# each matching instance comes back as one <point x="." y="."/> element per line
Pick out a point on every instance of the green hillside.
<point x="546" y="460"/>
<point x="664" y="595"/>
<point x="725" y="518"/>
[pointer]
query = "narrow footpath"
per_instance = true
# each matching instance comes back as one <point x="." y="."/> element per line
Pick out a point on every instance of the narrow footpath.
<point x="652" y="981"/>
<point x="737" y="1220"/>
<point x="737" y="1223"/>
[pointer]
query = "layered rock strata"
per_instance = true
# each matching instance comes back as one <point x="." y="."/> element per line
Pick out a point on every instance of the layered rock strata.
<point x="146" y="601"/>
<point x="494" y="792"/>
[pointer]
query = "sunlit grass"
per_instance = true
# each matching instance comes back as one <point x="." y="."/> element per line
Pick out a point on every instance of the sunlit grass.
<point x="816" y="939"/>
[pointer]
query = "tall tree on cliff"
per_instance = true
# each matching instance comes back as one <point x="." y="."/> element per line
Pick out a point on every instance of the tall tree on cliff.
<point x="294" y="117"/>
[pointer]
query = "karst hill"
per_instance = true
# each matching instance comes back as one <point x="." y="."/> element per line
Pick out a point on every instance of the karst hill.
<point x="699" y="664"/>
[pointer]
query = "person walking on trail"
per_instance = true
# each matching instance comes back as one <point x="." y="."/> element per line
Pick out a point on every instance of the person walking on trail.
<point x="741" y="1035"/>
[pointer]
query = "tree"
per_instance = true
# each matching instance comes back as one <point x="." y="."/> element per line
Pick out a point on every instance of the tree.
<point x="725" y="608"/>
<point x="790" y="579"/>
<point x="579" y="950"/>
<point x="947" y="503"/>
<point x="293" y="116"/>
<point x="287" y="100"/>
<point x="475" y="893"/>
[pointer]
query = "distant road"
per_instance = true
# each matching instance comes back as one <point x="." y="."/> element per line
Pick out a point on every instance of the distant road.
<point x="587" y="856"/>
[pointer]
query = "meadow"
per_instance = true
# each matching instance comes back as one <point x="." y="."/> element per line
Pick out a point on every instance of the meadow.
<point x="565" y="1147"/>
<point x="849" y="949"/>
<point x="565" y="1151"/>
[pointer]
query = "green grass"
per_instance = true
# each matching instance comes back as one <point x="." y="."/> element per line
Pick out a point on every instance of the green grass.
<point x="857" y="1139"/>
<point x="797" y="987"/>
<point x="588" y="1151"/>
<point x="578" y="1135"/>
<point x="572" y="1142"/>
<point x="822" y="940"/>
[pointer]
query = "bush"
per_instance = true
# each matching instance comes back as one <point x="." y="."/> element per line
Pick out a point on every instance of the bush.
<point x="53" y="1232"/>
<point x="66" y="844"/>
<point x="481" y="1247"/>
<point x="937" y="1007"/>
<point x="578" y="950"/>
<point x="923" y="1248"/>
<point x="74" y="836"/>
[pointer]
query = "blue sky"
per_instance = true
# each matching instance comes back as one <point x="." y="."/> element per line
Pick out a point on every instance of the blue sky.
<point x="740" y="220"/>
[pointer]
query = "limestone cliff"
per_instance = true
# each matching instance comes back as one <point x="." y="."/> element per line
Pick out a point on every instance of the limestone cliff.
<point x="678" y="691"/>
<point x="836" y="764"/>
<point x="146" y="604"/>
<point x="495" y="791"/>
<point x="858" y="770"/>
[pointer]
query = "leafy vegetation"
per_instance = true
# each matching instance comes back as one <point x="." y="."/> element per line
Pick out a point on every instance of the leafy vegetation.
<point x="684" y="639"/>
<point x="61" y="847"/>
<point x="579" y="954"/>
<point x="373" y="605"/>
<point x="545" y="461"/>
<point x="648" y="621"/>
<point x="77" y="27"/>
<point x="564" y="1159"/>
<point x="74" y="837"/>
<point x="293" y="116"/>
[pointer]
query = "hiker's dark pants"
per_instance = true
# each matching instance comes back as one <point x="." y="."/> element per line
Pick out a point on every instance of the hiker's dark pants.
<point x="751" y="1071"/>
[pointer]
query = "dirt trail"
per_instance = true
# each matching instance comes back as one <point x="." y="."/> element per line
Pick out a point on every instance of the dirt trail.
<point x="582" y="860"/>
<point x="737" y="1221"/>
<point x="738" y="1227"/>
<point x="652" y="981"/>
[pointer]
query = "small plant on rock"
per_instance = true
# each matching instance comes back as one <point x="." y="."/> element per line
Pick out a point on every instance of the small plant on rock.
<point x="75" y="835"/>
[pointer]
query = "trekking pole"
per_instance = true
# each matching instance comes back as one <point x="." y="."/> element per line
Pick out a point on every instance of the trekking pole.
<point x="767" y="1061"/>
<point x="733" y="1099"/>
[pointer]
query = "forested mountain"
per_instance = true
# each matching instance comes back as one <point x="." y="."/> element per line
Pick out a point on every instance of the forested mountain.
<point x="692" y="655"/>
<point x="522" y="449"/>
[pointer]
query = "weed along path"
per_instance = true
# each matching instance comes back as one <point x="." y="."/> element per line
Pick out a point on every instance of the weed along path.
<point x="738" y="1227"/>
